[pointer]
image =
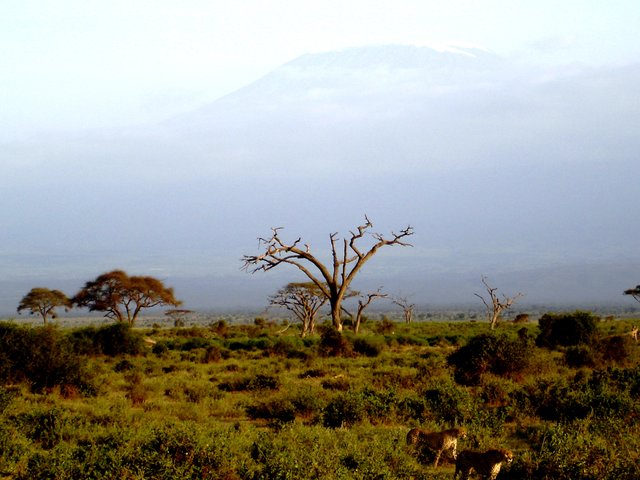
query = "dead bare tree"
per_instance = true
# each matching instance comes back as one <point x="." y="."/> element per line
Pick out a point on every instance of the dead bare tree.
<point x="407" y="308"/>
<point x="332" y="279"/>
<point x="634" y="292"/>
<point x="304" y="300"/>
<point x="363" y="303"/>
<point x="495" y="305"/>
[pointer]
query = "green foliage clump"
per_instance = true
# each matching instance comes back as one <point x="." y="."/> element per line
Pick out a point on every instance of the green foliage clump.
<point x="567" y="329"/>
<point x="45" y="426"/>
<point x="288" y="347"/>
<point x="570" y="451"/>
<point x="259" y="381"/>
<point x="278" y="411"/>
<point x="596" y="393"/>
<point x="355" y="406"/>
<point x="616" y="348"/>
<point x="368" y="346"/>
<point x="334" y="344"/>
<point x="43" y="357"/>
<point x="448" y="403"/>
<point x="112" y="340"/>
<point x="489" y="352"/>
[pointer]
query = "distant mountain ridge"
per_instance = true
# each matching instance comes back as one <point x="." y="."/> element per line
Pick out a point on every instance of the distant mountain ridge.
<point x="500" y="168"/>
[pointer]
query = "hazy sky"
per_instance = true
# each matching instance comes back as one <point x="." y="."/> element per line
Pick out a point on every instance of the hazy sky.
<point x="524" y="166"/>
<point x="71" y="64"/>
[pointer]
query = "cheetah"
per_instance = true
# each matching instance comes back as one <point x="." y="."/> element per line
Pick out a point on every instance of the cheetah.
<point x="487" y="464"/>
<point x="437" y="441"/>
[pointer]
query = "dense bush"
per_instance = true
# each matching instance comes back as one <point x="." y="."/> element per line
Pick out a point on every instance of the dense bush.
<point x="567" y="329"/>
<point x="448" y="403"/>
<point x="489" y="352"/>
<point x="580" y="356"/>
<point x="564" y="452"/>
<point x="113" y="340"/>
<point x="334" y="344"/>
<point x="43" y="357"/>
<point x="371" y="347"/>
<point x="256" y="382"/>
<point x="616" y="348"/>
<point x="344" y="410"/>
<point x="278" y="411"/>
<point x="597" y="393"/>
<point x="354" y="406"/>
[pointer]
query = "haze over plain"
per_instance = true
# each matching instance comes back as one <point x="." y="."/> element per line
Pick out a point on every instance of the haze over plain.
<point x="515" y="161"/>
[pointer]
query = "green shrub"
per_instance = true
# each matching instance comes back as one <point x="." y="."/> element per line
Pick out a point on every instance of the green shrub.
<point x="113" y="340"/>
<point x="333" y="344"/>
<point x="344" y="410"/>
<point x="118" y="339"/>
<point x="489" y="352"/>
<point x="595" y="393"/>
<point x="352" y="407"/>
<point x="413" y="408"/>
<point x="580" y="356"/>
<point x="448" y="403"/>
<point x="339" y="383"/>
<point x="616" y="349"/>
<point x="194" y="343"/>
<point x="16" y="344"/>
<point x="83" y="340"/>
<point x="212" y="354"/>
<point x="123" y="365"/>
<point x="385" y="327"/>
<point x="6" y="396"/>
<point x="137" y="393"/>
<point x="288" y="347"/>
<point x="567" y="329"/>
<point x="370" y="347"/>
<point x="160" y="348"/>
<point x="256" y="382"/>
<point x="278" y="411"/>
<point x="43" y="357"/>
<point x="563" y="452"/>
<point x="43" y="426"/>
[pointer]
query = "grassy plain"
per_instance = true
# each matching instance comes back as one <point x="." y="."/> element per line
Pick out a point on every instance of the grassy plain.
<point x="258" y="402"/>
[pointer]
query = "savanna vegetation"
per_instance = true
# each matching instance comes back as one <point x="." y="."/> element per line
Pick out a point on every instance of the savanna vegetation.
<point x="259" y="401"/>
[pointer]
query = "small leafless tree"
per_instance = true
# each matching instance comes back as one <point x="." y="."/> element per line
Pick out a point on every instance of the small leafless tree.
<point x="363" y="303"/>
<point x="332" y="279"/>
<point x="407" y="308"/>
<point x="494" y="304"/>
<point x="304" y="300"/>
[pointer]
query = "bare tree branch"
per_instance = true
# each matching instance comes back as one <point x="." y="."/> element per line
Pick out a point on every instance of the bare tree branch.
<point x="364" y="303"/>
<point x="494" y="305"/>
<point x="333" y="282"/>
<point x="407" y="308"/>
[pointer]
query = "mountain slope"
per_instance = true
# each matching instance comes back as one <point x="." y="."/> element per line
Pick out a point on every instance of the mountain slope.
<point x="500" y="169"/>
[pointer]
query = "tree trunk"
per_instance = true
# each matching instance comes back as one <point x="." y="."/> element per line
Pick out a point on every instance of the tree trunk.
<point x="494" y="319"/>
<point x="336" y="315"/>
<point x="356" y="326"/>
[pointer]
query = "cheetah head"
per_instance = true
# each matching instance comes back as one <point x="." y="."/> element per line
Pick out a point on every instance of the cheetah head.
<point x="508" y="455"/>
<point x="460" y="433"/>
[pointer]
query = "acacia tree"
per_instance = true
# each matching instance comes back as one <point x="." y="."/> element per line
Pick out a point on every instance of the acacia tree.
<point x="44" y="302"/>
<point x="122" y="297"/>
<point x="495" y="306"/>
<point x="634" y="292"/>
<point x="332" y="279"/>
<point x="407" y="308"/>
<point x="304" y="300"/>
